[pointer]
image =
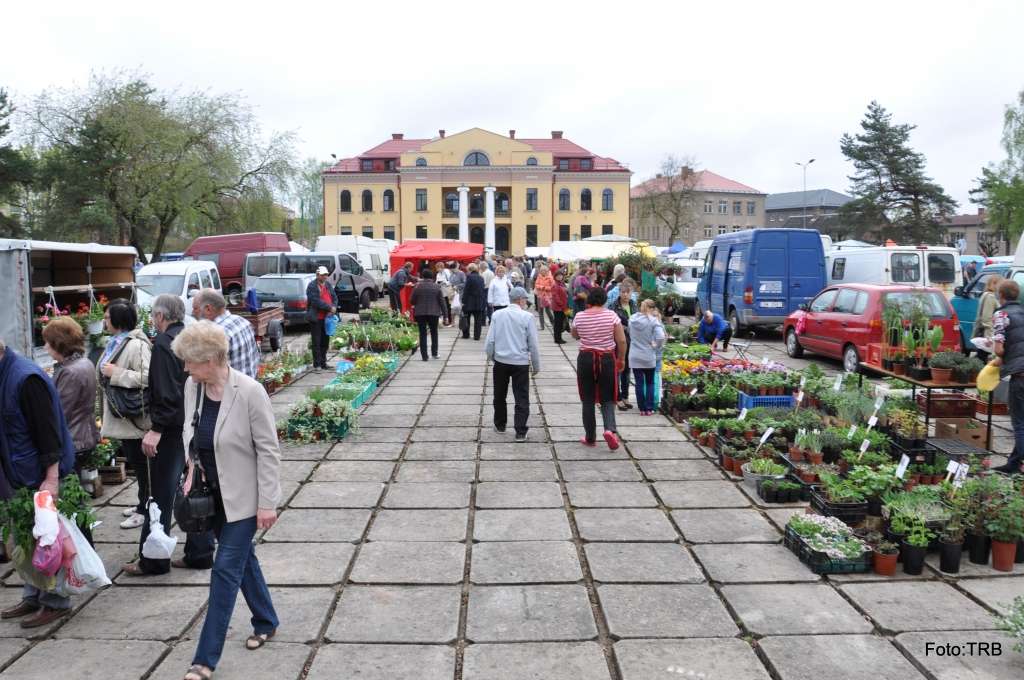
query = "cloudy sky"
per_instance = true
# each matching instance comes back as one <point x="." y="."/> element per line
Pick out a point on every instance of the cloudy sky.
<point x="745" y="88"/>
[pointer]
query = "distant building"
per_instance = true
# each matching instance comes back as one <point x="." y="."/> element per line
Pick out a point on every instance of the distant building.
<point x="787" y="209"/>
<point x="981" y="237"/>
<point x="720" y="205"/>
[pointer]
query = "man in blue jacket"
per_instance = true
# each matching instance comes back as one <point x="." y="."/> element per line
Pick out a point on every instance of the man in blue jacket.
<point x="320" y="301"/>
<point x="713" y="328"/>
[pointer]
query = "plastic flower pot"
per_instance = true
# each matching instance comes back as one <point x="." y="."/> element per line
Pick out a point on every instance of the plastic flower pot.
<point x="942" y="375"/>
<point x="95" y="327"/>
<point x="816" y="458"/>
<point x="949" y="557"/>
<point x="885" y="565"/>
<point x="913" y="559"/>
<point x="978" y="548"/>
<point x="1003" y="554"/>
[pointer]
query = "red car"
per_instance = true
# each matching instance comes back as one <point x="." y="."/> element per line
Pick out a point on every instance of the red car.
<point x="843" y="319"/>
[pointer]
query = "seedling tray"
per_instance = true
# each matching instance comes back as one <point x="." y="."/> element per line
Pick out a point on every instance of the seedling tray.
<point x="748" y="402"/>
<point x="955" y="448"/>
<point x="851" y="513"/>
<point x="820" y="563"/>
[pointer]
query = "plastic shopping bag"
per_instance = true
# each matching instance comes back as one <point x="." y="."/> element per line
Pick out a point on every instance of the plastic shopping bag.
<point x="85" y="572"/>
<point x="47" y="559"/>
<point x="457" y="303"/>
<point x="158" y="545"/>
<point x="330" y="324"/>
<point x="46" y="526"/>
<point x="22" y="562"/>
<point x="657" y="387"/>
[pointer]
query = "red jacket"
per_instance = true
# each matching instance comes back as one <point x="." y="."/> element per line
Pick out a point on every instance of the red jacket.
<point x="559" y="298"/>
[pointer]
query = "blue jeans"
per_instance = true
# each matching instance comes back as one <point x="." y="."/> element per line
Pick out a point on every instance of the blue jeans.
<point x="42" y="599"/>
<point x="1016" y="401"/>
<point x="235" y="567"/>
<point x="644" y="379"/>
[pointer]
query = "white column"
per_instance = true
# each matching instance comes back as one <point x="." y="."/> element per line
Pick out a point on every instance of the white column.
<point x="464" y="213"/>
<point x="489" y="219"/>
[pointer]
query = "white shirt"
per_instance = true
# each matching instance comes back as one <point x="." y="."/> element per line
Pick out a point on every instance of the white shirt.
<point x="497" y="292"/>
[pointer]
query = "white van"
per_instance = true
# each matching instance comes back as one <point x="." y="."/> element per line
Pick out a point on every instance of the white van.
<point x="372" y="253"/>
<point x="684" y="284"/>
<point x="259" y="264"/>
<point x="183" y="278"/>
<point x="934" y="266"/>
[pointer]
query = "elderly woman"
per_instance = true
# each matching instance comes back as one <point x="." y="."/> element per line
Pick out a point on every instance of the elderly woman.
<point x="987" y="305"/>
<point x="233" y="440"/>
<point x="75" y="379"/>
<point x="427" y="306"/>
<point x="125" y="363"/>
<point x="542" y="292"/>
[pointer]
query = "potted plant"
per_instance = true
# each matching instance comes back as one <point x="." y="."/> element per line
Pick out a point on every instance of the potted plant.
<point x="1005" y="525"/>
<point x="966" y="371"/>
<point x="1012" y="623"/>
<point x="951" y="545"/>
<point x="814" y="452"/>
<point x="943" y="364"/>
<point x="768" y="490"/>
<point x="886" y="555"/>
<point x="915" y="547"/>
<point x="760" y="469"/>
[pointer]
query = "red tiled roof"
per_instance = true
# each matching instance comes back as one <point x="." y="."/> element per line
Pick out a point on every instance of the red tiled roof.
<point x="561" y="148"/>
<point x="706" y="181"/>
<point x="966" y="220"/>
<point x="394" y="148"/>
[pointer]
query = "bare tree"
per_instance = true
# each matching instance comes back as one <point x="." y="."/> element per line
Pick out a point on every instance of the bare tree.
<point x="670" y="197"/>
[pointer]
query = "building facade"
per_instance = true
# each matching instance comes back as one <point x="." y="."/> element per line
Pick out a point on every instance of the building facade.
<point x="789" y="208"/>
<point x="478" y="186"/>
<point x="719" y="205"/>
<point x="981" y="237"/>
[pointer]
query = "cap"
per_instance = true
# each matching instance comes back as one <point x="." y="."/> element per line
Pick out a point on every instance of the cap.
<point x="321" y="270"/>
<point x="517" y="294"/>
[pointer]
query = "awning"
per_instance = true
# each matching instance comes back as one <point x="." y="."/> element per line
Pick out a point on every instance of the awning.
<point x="434" y="250"/>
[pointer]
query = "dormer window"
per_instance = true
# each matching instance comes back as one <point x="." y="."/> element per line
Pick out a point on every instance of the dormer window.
<point x="366" y="165"/>
<point x="586" y="164"/>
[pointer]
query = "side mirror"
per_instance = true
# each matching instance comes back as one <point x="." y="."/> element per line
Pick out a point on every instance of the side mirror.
<point x="385" y="267"/>
<point x="803" y="307"/>
<point x="959" y="291"/>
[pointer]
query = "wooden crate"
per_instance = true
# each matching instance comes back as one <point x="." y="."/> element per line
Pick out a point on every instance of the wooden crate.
<point x="113" y="474"/>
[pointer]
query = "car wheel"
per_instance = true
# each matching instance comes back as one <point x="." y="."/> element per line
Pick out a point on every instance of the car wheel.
<point x="851" y="360"/>
<point x="365" y="299"/>
<point x="793" y="348"/>
<point x="734" y="321"/>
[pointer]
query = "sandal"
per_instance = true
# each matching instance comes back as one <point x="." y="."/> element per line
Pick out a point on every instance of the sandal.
<point x="197" y="672"/>
<point x="257" y="640"/>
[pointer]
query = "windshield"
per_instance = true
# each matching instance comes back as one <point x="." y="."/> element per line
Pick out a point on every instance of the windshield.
<point x="279" y="287"/>
<point x="941" y="268"/>
<point x="934" y="304"/>
<point x="158" y="284"/>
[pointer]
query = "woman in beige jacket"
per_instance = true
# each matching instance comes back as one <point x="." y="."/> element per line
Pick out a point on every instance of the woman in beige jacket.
<point x="230" y="434"/>
<point x="125" y="363"/>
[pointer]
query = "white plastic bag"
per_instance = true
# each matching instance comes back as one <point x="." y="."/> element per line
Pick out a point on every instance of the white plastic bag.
<point x="45" y="528"/>
<point x="86" y="572"/>
<point x="158" y="545"/>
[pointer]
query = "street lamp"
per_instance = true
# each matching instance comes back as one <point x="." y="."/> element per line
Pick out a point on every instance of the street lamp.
<point x="804" y="166"/>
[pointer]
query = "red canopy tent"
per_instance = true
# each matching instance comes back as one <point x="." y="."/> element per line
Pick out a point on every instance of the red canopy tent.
<point x="434" y="250"/>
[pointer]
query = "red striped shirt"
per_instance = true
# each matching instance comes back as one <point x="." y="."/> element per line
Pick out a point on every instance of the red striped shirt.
<point x="596" y="328"/>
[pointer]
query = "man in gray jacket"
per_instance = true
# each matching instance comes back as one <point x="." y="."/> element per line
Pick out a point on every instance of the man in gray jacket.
<point x="512" y="345"/>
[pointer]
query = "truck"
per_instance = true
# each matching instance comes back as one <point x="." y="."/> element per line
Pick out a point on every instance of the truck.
<point x="371" y="253"/>
<point x="228" y="252"/>
<point x="931" y="266"/>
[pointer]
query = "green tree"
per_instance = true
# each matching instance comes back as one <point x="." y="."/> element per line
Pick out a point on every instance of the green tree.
<point x="152" y="158"/>
<point x="1000" y="189"/>
<point x="892" y="194"/>
<point x="16" y="172"/>
<point x="308" y="195"/>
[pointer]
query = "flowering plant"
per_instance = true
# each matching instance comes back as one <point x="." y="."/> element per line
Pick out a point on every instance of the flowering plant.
<point x="828" y="535"/>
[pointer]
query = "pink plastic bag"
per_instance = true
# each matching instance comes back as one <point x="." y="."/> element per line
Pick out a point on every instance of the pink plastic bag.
<point x="47" y="559"/>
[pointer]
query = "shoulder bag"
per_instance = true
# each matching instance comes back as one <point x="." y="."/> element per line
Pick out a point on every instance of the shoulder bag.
<point x="125" y="402"/>
<point x="194" y="511"/>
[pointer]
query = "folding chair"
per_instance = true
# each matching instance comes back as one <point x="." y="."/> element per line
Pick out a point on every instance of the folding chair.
<point x="741" y="349"/>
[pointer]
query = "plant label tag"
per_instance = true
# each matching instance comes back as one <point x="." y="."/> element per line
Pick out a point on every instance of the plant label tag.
<point x="764" y="361"/>
<point x="693" y="391"/>
<point x="901" y="469"/>
<point x="952" y="467"/>
<point x="879" y="402"/>
<point x="799" y="396"/>
<point x="838" y="384"/>
<point x="853" y="430"/>
<point x="864" y="445"/>
<point x="767" y="433"/>
<point x="961" y="475"/>
<point x="872" y="421"/>
<point x="742" y="415"/>
<point x="803" y="381"/>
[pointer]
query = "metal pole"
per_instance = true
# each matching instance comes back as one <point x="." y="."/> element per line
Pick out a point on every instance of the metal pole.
<point x="804" y="200"/>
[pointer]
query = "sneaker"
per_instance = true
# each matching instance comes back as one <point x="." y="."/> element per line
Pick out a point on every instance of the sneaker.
<point x="499" y="430"/>
<point x="612" y="439"/>
<point x="587" y="442"/>
<point x="128" y="512"/>
<point x="521" y="438"/>
<point x="133" y="522"/>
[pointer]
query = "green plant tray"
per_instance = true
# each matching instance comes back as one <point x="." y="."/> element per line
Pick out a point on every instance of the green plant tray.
<point x="851" y="513"/>
<point x="364" y="395"/>
<point x="820" y="563"/>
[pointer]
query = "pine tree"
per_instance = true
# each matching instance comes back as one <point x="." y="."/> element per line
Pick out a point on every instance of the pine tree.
<point x="893" y="196"/>
<point x="15" y="171"/>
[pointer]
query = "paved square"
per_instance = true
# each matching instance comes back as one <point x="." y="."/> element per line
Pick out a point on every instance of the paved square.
<point x="794" y="609"/>
<point x="548" y="660"/>
<point x="519" y="495"/>
<point x="752" y="563"/>
<point x="411" y="495"/>
<point x="383" y="662"/>
<point x="936" y="606"/>
<point x="529" y="613"/>
<point x="636" y="611"/>
<point x="419" y="525"/>
<point x="850" y="657"/>
<point x="525" y="562"/>
<point x="409" y="562"/>
<point x="610" y="495"/>
<point x="521" y="525"/>
<point x="626" y="524"/>
<point x="725" y="526"/>
<point x="707" y="658"/>
<point x="637" y="562"/>
<point x="396" y="614"/>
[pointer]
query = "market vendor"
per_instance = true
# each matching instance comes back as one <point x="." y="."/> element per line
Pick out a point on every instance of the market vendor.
<point x="712" y="329"/>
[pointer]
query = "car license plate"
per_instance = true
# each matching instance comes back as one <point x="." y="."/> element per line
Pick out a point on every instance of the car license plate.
<point x="773" y="304"/>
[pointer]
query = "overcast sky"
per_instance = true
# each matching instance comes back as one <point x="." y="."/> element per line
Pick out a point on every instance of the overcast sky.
<point x="746" y="88"/>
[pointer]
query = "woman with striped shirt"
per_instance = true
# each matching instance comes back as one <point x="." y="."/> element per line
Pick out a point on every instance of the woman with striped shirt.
<point x="602" y="357"/>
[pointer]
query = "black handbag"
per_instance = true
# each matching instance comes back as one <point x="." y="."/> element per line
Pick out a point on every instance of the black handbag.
<point x="194" y="512"/>
<point x="125" y="402"/>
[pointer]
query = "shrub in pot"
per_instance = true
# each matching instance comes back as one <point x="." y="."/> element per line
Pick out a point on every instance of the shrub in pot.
<point x="1005" y="525"/>
<point x="769" y="490"/>
<point x="915" y="547"/>
<point x="951" y="545"/>
<point x="943" y="364"/>
<point x="886" y="555"/>
<point x="966" y="371"/>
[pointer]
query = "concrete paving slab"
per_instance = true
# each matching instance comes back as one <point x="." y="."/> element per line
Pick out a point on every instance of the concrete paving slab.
<point x="338" y="495"/>
<point x="660" y="450"/>
<point x="383" y="662"/>
<point x="752" y="563"/>
<point x="513" y="451"/>
<point x="638" y="611"/>
<point x="353" y="471"/>
<point x="710" y="658"/>
<point x="408" y="562"/>
<point x="318" y="526"/>
<point x="794" y="609"/>
<point x="599" y="471"/>
<point x="535" y="661"/>
<point x="529" y="613"/>
<point x="444" y="420"/>
<point x="535" y="436"/>
<point x="295" y="470"/>
<point x="519" y="495"/>
<point x="918" y="606"/>
<point x="961" y="655"/>
<point x="850" y="657"/>
<point x="304" y="564"/>
<point x="517" y="471"/>
<point x="109" y="659"/>
<point x="380" y="435"/>
<point x="525" y="562"/>
<point x="276" y="660"/>
<point x="439" y="451"/>
<point x="680" y="470"/>
<point x="577" y="451"/>
<point x="642" y="562"/>
<point x="652" y="434"/>
<point x="437" y="471"/>
<point x="301" y="611"/>
<point x="701" y="495"/>
<point x="419" y="525"/>
<point x="427" y="495"/>
<point x="136" y="613"/>
<point x="624" y="524"/>
<point x="610" y="495"/>
<point x="968" y="568"/>
<point x="396" y="614"/>
<point x="725" y="525"/>
<point x="108" y="531"/>
<point x="521" y="525"/>
<point x="401" y="410"/>
<point x="347" y="451"/>
<point x="314" y="451"/>
<point x="997" y="593"/>
<point x="444" y="434"/>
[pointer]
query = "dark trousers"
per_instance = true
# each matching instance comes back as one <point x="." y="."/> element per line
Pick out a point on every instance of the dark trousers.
<point x="394" y="300"/>
<point x="726" y="337"/>
<point x="478" y="322"/>
<point x="164" y="472"/>
<point x="319" y="336"/>
<point x="425" y="322"/>
<point x="644" y="379"/>
<point x="596" y="385"/>
<point x="520" y="378"/>
<point x="447" y="309"/>
<point x="540" y="310"/>
<point x="559" y="324"/>
<point x="1016" y="401"/>
<point x="624" y="377"/>
<point x="132" y="450"/>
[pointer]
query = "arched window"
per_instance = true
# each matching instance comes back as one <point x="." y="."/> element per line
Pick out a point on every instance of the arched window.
<point x="367" y="200"/>
<point x="421" y="162"/>
<point x="451" y="233"/>
<point x="501" y="239"/>
<point x="607" y="200"/>
<point x="389" y="200"/>
<point x="531" y="161"/>
<point x="563" y="199"/>
<point x="345" y="201"/>
<point x="451" y="202"/>
<point x="477" y="158"/>
<point x="585" y="199"/>
<point x="501" y="202"/>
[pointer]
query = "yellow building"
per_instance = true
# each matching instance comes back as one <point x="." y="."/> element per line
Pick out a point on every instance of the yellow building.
<point x="478" y="186"/>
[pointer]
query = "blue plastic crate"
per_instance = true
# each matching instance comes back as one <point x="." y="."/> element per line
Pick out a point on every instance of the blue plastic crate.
<point x="748" y="402"/>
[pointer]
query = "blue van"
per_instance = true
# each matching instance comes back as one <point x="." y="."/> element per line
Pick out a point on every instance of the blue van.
<point x="758" y="276"/>
<point x="965" y="299"/>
